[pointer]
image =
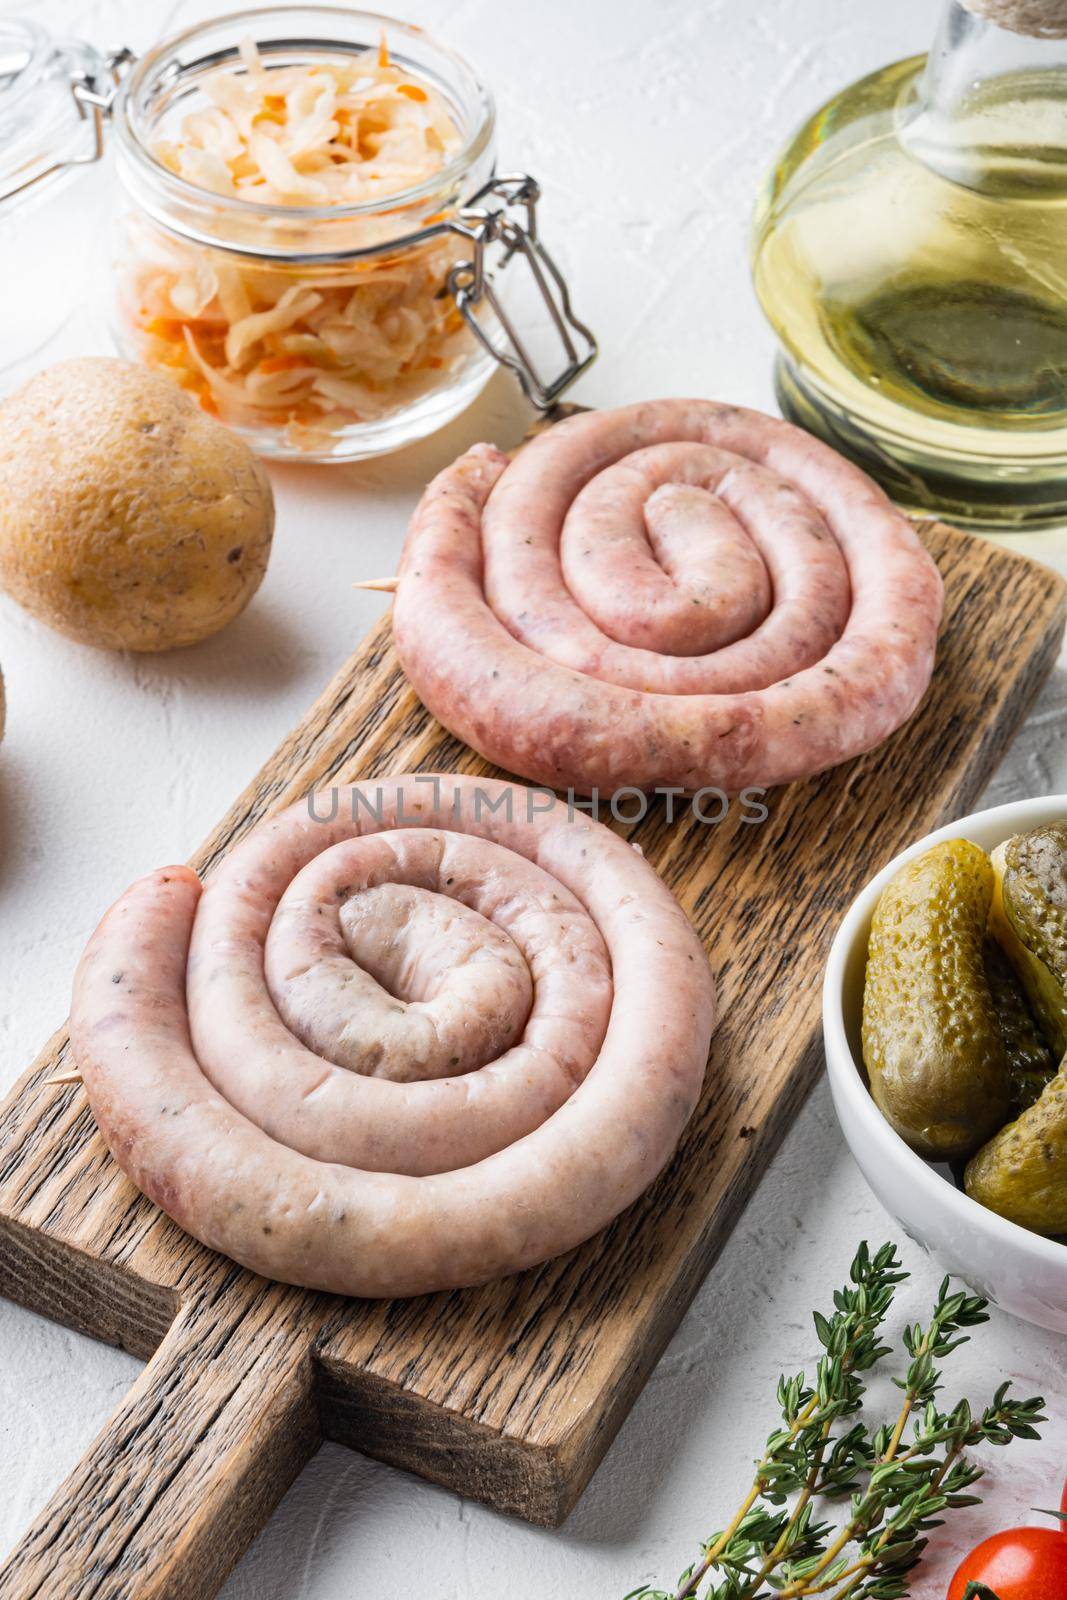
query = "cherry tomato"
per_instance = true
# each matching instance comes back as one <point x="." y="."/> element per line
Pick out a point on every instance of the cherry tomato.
<point x="1063" y="1509"/>
<point x="1021" y="1564"/>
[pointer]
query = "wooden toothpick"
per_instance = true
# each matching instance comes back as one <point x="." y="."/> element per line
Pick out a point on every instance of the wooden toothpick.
<point x="379" y="585"/>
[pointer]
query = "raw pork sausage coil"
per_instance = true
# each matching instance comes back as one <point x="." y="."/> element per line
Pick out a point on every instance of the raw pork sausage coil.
<point x="674" y="594"/>
<point x="410" y="1036"/>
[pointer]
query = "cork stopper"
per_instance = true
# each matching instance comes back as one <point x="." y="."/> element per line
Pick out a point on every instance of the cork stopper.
<point x="1042" y="19"/>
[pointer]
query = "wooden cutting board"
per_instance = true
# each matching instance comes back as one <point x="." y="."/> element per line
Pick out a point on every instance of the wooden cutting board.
<point x="510" y="1393"/>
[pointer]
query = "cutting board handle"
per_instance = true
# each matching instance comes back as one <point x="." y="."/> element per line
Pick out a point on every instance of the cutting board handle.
<point x="191" y="1464"/>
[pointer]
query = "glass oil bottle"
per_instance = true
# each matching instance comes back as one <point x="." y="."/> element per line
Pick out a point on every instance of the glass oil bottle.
<point x="910" y="252"/>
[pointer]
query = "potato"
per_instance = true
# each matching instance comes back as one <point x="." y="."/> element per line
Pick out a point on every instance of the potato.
<point x="129" y="519"/>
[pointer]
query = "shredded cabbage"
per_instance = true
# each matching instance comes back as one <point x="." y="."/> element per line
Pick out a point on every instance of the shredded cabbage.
<point x="308" y="350"/>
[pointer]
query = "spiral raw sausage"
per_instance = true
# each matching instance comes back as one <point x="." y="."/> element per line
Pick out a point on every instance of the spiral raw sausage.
<point x="446" y="1032"/>
<point x="672" y="594"/>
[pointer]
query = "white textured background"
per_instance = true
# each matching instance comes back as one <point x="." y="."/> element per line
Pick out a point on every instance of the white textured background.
<point x="650" y="125"/>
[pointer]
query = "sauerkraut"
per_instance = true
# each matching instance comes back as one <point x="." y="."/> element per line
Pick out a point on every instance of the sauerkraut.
<point x="308" y="349"/>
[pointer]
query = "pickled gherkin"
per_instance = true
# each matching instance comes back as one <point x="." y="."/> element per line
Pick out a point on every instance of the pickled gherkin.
<point x="932" y="1042"/>
<point x="1029" y="920"/>
<point x="1022" y="1172"/>
<point x="1031" y="1064"/>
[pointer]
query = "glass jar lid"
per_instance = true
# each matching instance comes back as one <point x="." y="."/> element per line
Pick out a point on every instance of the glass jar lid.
<point x="49" y="125"/>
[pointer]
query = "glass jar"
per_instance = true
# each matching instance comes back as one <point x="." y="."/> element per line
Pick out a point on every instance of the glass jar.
<point x="49" y="129"/>
<point x="326" y="332"/>
<point x="908" y="251"/>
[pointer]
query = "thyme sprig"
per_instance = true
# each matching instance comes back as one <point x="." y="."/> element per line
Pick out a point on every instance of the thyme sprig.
<point x="893" y="1484"/>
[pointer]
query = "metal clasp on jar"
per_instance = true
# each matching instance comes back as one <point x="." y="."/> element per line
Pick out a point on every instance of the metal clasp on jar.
<point x="513" y="225"/>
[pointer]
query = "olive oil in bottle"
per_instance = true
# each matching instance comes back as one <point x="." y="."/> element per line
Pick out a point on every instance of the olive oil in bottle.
<point x="910" y="251"/>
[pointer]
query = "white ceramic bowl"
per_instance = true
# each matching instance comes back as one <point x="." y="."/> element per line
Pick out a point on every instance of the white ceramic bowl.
<point x="1015" y="1269"/>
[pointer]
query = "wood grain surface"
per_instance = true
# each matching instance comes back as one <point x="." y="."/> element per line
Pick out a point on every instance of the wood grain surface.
<point x="510" y="1393"/>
